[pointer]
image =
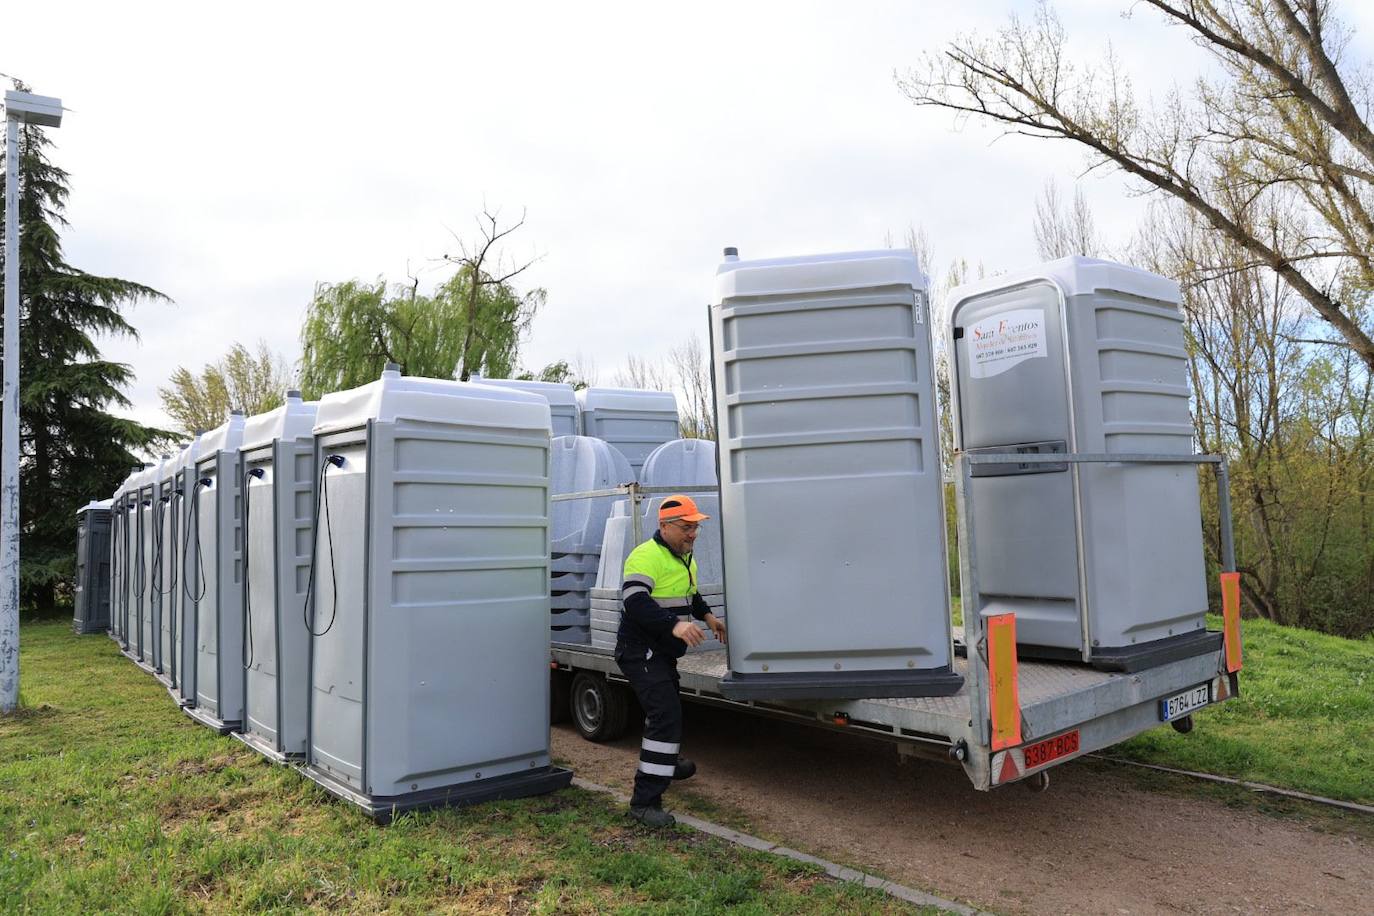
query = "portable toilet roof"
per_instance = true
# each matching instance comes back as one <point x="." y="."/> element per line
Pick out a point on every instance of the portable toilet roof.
<point x="578" y="464"/>
<point x="225" y="437"/>
<point x="633" y="420"/>
<point x="681" y="463"/>
<point x="294" y="419"/>
<point x="560" y="395"/>
<point x="190" y="453"/>
<point x="396" y="397"/>
<point x="96" y="504"/>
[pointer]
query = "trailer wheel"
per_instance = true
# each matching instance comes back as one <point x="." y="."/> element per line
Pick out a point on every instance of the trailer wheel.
<point x="1039" y="782"/>
<point x="599" y="709"/>
<point x="1183" y="726"/>
<point x="559" y="711"/>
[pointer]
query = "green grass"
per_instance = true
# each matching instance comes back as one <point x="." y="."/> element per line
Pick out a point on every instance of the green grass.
<point x="113" y="800"/>
<point x="1304" y="719"/>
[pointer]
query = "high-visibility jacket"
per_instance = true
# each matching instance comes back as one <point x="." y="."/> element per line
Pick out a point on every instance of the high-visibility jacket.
<point x="658" y="586"/>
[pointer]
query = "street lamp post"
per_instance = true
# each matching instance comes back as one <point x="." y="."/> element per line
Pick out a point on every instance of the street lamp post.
<point x="44" y="111"/>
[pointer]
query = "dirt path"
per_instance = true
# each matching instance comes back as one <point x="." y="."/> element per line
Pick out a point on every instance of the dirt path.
<point x="1095" y="842"/>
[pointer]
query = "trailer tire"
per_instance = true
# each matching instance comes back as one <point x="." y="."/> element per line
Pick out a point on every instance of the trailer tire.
<point x="600" y="709"/>
<point x="1183" y="726"/>
<point x="559" y="693"/>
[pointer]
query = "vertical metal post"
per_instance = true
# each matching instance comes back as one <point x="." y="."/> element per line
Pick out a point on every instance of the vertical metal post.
<point x="9" y="435"/>
<point x="1228" y="544"/>
<point x="971" y="600"/>
<point x="635" y="527"/>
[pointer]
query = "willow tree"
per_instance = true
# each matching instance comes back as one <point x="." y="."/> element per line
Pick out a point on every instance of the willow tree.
<point x="475" y="321"/>
<point x="72" y="449"/>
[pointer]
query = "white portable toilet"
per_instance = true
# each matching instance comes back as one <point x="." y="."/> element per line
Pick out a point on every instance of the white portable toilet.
<point x="277" y="470"/>
<point x="429" y="611"/>
<point x="1103" y="563"/>
<point x="91" y="598"/>
<point x="636" y="422"/>
<point x="166" y="560"/>
<point x="580" y="464"/>
<point x="563" y="410"/>
<point x="688" y="465"/>
<point x="181" y="603"/>
<point x="831" y="503"/>
<point x="150" y="518"/>
<point x="215" y="535"/>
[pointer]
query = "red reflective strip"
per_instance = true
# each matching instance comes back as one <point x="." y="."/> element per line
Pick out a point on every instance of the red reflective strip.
<point x="1230" y="615"/>
<point x="1004" y="701"/>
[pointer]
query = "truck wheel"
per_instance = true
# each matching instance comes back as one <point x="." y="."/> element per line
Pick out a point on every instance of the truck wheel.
<point x="559" y="711"/>
<point x="1183" y="726"/>
<point x="599" y="709"/>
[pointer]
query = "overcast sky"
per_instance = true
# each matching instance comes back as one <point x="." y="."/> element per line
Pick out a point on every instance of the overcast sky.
<point x="232" y="156"/>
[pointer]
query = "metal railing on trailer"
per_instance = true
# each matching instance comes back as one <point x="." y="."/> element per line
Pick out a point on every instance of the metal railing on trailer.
<point x="1057" y="699"/>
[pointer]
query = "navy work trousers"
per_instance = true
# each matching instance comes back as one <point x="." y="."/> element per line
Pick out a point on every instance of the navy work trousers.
<point x="655" y="683"/>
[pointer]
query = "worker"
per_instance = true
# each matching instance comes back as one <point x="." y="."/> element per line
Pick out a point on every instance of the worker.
<point x="660" y="583"/>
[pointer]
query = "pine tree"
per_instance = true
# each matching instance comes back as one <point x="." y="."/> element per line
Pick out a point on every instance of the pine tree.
<point x="71" y="449"/>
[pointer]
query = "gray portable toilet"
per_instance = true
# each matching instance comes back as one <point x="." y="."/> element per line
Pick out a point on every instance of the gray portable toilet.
<point x="149" y="517"/>
<point x="216" y="539"/>
<point x="181" y="603"/>
<point x="134" y="575"/>
<point x="563" y="410"/>
<point x="276" y="468"/>
<point x="91" y="598"/>
<point x="636" y="422"/>
<point x="165" y="570"/>
<point x="831" y="503"/>
<point x="120" y="560"/>
<point x="430" y="606"/>
<point x="1103" y="563"/>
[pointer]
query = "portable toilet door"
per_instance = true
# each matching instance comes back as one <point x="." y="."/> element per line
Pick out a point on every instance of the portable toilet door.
<point x="276" y="470"/>
<point x="219" y="609"/>
<point x="1099" y="562"/>
<point x="832" y="519"/>
<point x="430" y="605"/>
<point x="142" y="636"/>
<point x="119" y="527"/>
<point x="149" y="652"/>
<point x="563" y="409"/>
<point x="186" y="495"/>
<point x="167" y="570"/>
<point x="91" y="598"/>
<point x="133" y="565"/>
<point x="636" y="422"/>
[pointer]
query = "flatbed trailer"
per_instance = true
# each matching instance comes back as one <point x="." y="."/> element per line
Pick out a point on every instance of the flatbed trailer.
<point x="1066" y="709"/>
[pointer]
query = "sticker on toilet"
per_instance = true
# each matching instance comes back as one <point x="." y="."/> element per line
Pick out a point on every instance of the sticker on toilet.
<point x="999" y="342"/>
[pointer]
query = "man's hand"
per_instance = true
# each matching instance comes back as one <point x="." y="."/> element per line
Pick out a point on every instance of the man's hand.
<point x="689" y="632"/>
<point x="717" y="627"/>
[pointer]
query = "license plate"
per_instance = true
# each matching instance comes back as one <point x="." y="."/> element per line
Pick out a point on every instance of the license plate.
<point x="1180" y="704"/>
<point x="1043" y="752"/>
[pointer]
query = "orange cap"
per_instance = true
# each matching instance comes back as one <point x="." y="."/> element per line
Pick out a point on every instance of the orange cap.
<point x="682" y="508"/>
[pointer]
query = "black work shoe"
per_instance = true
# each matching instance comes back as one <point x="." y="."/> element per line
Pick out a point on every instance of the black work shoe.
<point x="652" y="817"/>
<point x="686" y="769"/>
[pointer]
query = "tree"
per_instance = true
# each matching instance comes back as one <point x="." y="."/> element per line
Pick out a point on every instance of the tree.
<point x="1284" y="122"/>
<point x="72" y="450"/>
<point x="239" y="380"/>
<point x="473" y="322"/>
<point x="1064" y="229"/>
<point x="687" y="373"/>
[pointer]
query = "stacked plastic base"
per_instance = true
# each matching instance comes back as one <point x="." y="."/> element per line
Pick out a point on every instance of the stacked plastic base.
<point x="571" y="577"/>
<point x="606" y="611"/>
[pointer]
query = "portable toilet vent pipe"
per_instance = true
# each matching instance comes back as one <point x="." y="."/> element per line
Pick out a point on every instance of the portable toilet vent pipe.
<point x="429" y="607"/>
<point x="276" y="471"/>
<point x="149" y="517"/>
<point x="216" y="540"/>
<point x="166" y="579"/>
<point x="1099" y="562"/>
<point x="186" y="580"/>
<point x="91" y="601"/>
<point x="636" y="422"/>
<point x="832" y="519"/>
<point x="563" y="409"/>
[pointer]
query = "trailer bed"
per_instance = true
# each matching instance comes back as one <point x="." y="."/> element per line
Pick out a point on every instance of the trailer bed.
<point x="1097" y="708"/>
